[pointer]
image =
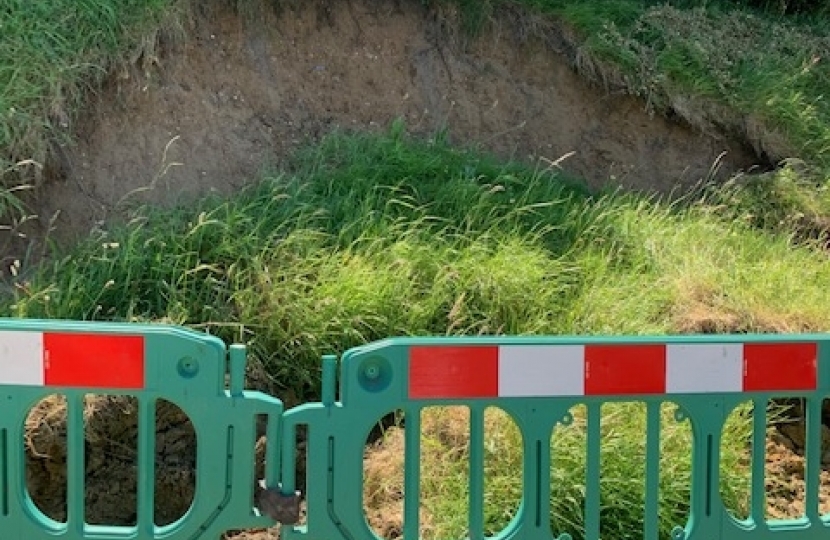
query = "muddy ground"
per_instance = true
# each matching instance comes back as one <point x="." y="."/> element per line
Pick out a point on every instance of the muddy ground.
<point x="205" y="109"/>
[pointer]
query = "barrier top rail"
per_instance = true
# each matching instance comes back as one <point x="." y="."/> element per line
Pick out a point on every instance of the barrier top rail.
<point x="115" y="356"/>
<point x="492" y="368"/>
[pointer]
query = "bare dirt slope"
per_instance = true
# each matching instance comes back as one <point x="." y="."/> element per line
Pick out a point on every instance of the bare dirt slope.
<point x="243" y="90"/>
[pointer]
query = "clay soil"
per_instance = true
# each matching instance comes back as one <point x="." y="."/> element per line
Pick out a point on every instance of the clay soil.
<point x="206" y="109"/>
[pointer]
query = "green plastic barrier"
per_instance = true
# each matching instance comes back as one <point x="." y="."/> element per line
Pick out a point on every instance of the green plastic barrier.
<point x="537" y="381"/>
<point x="191" y="370"/>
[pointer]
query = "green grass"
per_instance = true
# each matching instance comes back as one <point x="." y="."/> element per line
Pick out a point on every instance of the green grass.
<point x="376" y="236"/>
<point x="52" y="53"/>
<point x="715" y="63"/>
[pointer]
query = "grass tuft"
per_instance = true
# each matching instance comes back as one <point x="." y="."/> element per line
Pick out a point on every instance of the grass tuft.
<point x="51" y="55"/>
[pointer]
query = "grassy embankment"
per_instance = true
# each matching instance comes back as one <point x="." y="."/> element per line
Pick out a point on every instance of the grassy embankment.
<point x="52" y="55"/>
<point x="756" y="75"/>
<point x="370" y="237"/>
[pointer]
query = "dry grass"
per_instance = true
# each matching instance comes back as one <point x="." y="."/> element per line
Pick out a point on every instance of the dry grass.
<point x="445" y="475"/>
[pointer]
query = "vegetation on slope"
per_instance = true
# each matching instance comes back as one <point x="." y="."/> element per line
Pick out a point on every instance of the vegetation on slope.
<point x="52" y="53"/>
<point x="752" y="74"/>
<point x="754" y="70"/>
<point x="710" y="62"/>
<point x="380" y="236"/>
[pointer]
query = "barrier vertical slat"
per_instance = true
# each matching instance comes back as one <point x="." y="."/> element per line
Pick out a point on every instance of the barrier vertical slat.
<point x="759" y="439"/>
<point x="329" y="385"/>
<point x="592" y="469"/>
<point x="236" y="368"/>
<point x="706" y="419"/>
<point x="4" y="472"/>
<point x="412" y="473"/>
<point x="289" y="473"/>
<point x="272" y="466"/>
<point x="145" y="506"/>
<point x="812" y="470"/>
<point x="476" y="502"/>
<point x="75" y="463"/>
<point x="652" y="510"/>
<point x="537" y="480"/>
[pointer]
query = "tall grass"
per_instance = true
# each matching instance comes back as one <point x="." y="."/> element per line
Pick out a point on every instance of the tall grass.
<point x="375" y="236"/>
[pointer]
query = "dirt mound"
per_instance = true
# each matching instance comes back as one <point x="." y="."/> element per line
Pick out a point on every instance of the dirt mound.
<point x="785" y="484"/>
<point x="111" y="459"/>
<point x="243" y="90"/>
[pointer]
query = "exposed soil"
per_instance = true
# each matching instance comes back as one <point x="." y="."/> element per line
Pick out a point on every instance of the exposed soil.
<point x="207" y="112"/>
<point x="111" y="459"/>
<point x="785" y="485"/>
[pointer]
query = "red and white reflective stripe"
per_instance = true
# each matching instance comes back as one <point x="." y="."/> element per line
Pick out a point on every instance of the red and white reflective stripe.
<point x="71" y="360"/>
<point x="472" y="371"/>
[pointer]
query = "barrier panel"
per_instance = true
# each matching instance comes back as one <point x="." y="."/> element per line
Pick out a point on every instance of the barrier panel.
<point x="536" y="381"/>
<point x="191" y="370"/>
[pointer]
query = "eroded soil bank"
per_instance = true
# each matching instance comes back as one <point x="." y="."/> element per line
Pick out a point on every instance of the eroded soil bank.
<point x="206" y="112"/>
